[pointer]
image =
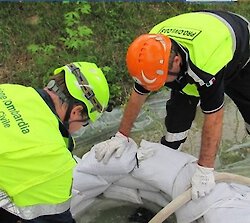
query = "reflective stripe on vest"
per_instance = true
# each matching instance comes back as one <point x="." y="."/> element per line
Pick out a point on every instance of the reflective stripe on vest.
<point x="35" y="165"/>
<point x="31" y="212"/>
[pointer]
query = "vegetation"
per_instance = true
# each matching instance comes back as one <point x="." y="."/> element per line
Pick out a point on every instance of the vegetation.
<point x="37" y="37"/>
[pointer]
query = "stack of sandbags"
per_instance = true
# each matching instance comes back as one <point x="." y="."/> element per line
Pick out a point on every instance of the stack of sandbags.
<point x="92" y="178"/>
<point x="150" y="177"/>
<point x="159" y="174"/>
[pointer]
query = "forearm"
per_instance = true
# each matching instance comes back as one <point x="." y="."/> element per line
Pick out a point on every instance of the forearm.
<point x="211" y="136"/>
<point x="131" y="112"/>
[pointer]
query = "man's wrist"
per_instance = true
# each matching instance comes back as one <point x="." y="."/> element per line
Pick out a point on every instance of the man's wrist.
<point x="205" y="169"/>
<point x="209" y="163"/>
<point x="122" y="133"/>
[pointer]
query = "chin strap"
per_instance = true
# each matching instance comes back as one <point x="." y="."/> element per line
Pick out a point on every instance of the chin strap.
<point x="80" y="120"/>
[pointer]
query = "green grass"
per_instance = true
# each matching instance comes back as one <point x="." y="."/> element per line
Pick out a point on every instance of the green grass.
<point x="36" y="38"/>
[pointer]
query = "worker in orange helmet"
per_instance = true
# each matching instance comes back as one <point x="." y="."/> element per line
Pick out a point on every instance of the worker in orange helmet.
<point x="199" y="55"/>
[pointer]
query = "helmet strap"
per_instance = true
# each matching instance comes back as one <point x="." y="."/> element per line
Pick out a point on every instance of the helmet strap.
<point x="80" y="120"/>
<point x="176" y="74"/>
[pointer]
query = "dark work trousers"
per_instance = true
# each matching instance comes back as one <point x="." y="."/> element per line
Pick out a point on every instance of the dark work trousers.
<point x="65" y="217"/>
<point x="181" y="110"/>
<point x="239" y="91"/>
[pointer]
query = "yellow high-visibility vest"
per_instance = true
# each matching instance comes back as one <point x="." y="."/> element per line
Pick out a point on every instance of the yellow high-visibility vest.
<point x="35" y="165"/>
<point x="208" y="39"/>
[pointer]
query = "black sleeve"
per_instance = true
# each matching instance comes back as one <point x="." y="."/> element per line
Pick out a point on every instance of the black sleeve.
<point x="140" y="89"/>
<point x="212" y="97"/>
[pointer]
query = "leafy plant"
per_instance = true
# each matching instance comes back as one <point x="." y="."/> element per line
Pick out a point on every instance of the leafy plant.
<point x="43" y="49"/>
<point x="77" y="35"/>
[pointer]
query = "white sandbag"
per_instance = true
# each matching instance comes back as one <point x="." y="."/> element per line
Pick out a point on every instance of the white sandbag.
<point x="161" y="168"/>
<point x="183" y="179"/>
<point x="197" y="208"/>
<point x="131" y="182"/>
<point x="113" y="178"/>
<point x="115" y="166"/>
<point x="123" y="193"/>
<point x="80" y="200"/>
<point x="237" y="209"/>
<point x="223" y="195"/>
<point x="168" y="197"/>
<point x="74" y="192"/>
<point x="83" y="181"/>
<point x="79" y="204"/>
<point x="155" y="197"/>
<point x="93" y="192"/>
<point x="228" y="215"/>
<point x="242" y="190"/>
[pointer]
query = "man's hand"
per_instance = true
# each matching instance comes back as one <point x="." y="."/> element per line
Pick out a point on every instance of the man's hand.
<point x="116" y="145"/>
<point x="202" y="181"/>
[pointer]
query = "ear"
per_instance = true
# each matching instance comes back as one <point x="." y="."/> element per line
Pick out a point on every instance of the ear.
<point x="177" y="59"/>
<point x="76" y="111"/>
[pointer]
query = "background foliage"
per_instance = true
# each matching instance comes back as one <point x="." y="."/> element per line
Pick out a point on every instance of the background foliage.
<point x="37" y="37"/>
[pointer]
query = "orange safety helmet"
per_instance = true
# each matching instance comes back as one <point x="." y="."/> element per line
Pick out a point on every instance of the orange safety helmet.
<point x="147" y="60"/>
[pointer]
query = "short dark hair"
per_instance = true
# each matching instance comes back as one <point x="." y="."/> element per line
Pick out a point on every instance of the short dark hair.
<point x="61" y="84"/>
<point x="173" y="53"/>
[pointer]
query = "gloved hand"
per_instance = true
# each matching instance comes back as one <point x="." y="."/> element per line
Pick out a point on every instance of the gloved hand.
<point x="202" y="181"/>
<point x="116" y="145"/>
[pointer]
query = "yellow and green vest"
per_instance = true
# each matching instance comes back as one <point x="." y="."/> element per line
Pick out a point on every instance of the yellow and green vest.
<point x="203" y="43"/>
<point x="35" y="165"/>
